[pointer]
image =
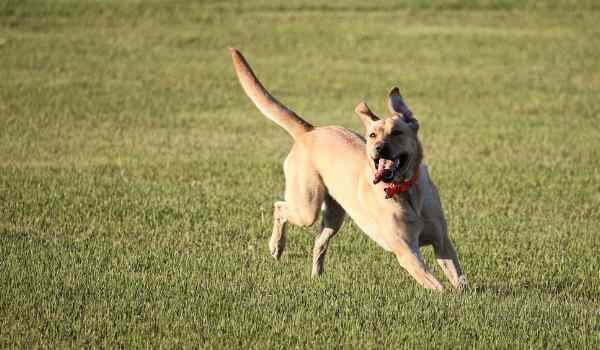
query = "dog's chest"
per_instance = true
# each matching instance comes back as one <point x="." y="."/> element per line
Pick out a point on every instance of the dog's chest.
<point x="387" y="221"/>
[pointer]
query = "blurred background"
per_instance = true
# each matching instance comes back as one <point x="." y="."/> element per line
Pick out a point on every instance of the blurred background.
<point x="137" y="180"/>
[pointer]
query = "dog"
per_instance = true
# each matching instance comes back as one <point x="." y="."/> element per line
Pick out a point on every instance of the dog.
<point x="379" y="180"/>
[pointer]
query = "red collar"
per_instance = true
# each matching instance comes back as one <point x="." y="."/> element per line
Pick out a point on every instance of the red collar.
<point x="395" y="188"/>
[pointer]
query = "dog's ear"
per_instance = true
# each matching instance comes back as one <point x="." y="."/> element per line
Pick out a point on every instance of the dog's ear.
<point x="397" y="105"/>
<point x="365" y="114"/>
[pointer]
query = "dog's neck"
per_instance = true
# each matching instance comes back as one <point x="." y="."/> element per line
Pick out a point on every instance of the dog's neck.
<point x="398" y="188"/>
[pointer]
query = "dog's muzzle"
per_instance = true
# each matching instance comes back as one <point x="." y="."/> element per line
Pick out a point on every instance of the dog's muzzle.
<point x="387" y="169"/>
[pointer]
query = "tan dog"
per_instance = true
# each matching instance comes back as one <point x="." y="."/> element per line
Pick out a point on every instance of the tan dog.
<point x="381" y="184"/>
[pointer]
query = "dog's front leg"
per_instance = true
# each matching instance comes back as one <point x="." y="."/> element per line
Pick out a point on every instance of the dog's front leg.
<point x="411" y="262"/>
<point x="448" y="261"/>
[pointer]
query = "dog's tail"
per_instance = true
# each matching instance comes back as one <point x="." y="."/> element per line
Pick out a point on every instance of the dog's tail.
<point x="265" y="102"/>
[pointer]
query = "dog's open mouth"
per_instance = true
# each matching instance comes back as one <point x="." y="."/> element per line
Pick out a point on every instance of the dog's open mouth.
<point x="387" y="169"/>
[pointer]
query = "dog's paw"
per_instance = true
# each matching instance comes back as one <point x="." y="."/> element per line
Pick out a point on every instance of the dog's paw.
<point x="317" y="270"/>
<point x="462" y="284"/>
<point x="276" y="247"/>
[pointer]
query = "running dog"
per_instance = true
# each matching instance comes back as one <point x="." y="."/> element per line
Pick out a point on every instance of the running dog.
<point x="379" y="180"/>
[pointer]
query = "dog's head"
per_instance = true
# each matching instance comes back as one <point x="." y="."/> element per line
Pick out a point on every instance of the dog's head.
<point x="392" y="143"/>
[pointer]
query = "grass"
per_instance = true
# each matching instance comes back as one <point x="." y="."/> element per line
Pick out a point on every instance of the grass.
<point x="137" y="181"/>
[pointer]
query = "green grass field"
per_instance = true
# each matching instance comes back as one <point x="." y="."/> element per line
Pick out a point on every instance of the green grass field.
<point x="137" y="180"/>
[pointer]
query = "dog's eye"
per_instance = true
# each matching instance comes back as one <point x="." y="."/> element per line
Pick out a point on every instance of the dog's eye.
<point x="396" y="132"/>
<point x="372" y="135"/>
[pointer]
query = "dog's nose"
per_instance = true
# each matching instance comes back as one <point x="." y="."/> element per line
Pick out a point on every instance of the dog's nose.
<point x="382" y="150"/>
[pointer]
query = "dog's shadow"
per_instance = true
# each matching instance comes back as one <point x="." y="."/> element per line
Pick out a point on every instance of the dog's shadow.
<point x="570" y="289"/>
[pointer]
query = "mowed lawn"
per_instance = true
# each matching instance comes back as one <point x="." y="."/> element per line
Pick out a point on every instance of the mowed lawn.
<point x="137" y="180"/>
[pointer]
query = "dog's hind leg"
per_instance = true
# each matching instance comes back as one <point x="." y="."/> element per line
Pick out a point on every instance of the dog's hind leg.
<point x="278" y="237"/>
<point x="333" y="217"/>
<point x="304" y="194"/>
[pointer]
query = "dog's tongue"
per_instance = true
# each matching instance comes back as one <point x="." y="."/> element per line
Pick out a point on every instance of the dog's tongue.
<point x="384" y="169"/>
